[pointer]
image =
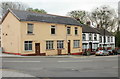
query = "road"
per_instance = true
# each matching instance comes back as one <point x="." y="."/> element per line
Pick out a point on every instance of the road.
<point x="96" y="66"/>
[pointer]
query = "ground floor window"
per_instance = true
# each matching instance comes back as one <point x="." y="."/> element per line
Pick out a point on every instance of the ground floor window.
<point x="76" y="44"/>
<point x="49" y="44"/>
<point x="84" y="46"/>
<point x="28" y="45"/>
<point x="95" y="46"/>
<point x="60" y="44"/>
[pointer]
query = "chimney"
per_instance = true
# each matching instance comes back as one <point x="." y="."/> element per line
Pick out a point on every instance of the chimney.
<point x="77" y="19"/>
<point x="98" y="26"/>
<point x="88" y="23"/>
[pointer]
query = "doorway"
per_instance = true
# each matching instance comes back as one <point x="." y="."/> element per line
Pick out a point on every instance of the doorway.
<point x="69" y="47"/>
<point x="90" y="46"/>
<point x="37" y="48"/>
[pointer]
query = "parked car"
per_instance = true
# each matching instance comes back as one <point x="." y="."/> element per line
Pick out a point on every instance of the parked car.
<point x="110" y="52"/>
<point x="115" y="52"/>
<point x="102" y="52"/>
<point x="118" y="51"/>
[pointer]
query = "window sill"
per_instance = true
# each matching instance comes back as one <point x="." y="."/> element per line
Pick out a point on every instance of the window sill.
<point x="53" y="34"/>
<point x="28" y="51"/>
<point x="30" y="34"/>
<point x="77" y="35"/>
<point x="60" y="48"/>
<point x="49" y="49"/>
<point x="76" y="47"/>
<point x="69" y="35"/>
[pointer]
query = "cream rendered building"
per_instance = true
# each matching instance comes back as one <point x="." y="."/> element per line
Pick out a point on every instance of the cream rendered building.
<point x="29" y="33"/>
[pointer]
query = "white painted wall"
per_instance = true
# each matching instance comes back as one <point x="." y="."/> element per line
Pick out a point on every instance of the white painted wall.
<point x="109" y="44"/>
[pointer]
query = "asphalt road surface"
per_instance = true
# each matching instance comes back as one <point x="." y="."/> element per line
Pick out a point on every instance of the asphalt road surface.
<point x="96" y="66"/>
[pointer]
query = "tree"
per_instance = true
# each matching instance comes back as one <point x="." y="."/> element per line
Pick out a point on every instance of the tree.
<point x="104" y="17"/>
<point x="80" y="15"/>
<point x="37" y="10"/>
<point x="12" y="5"/>
<point x="117" y="38"/>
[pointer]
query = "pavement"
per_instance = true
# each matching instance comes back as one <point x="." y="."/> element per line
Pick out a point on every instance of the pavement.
<point x="3" y="55"/>
<point x="14" y="73"/>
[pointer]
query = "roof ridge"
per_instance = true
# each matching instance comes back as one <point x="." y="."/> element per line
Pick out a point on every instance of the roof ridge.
<point x="42" y="13"/>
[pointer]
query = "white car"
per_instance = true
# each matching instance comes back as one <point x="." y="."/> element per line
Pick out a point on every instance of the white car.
<point x="102" y="52"/>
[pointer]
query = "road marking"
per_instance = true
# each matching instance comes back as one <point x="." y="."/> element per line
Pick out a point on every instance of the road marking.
<point x="21" y="61"/>
<point x="76" y="61"/>
<point x="104" y="56"/>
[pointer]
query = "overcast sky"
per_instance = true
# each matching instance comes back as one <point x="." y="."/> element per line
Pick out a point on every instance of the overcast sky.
<point x="61" y="7"/>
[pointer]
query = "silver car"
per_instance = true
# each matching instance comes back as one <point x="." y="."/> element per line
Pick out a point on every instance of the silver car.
<point x="102" y="52"/>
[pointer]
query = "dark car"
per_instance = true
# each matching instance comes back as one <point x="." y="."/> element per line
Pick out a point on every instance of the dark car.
<point x="118" y="51"/>
<point x="115" y="52"/>
<point x="110" y="52"/>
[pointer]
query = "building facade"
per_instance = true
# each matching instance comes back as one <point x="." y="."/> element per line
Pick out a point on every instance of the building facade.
<point x="90" y="38"/>
<point x="93" y="38"/>
<point x="106" y="38"/>
<point x="28" y="33"/>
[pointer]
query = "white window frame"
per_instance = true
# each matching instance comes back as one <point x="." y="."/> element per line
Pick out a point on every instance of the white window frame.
<point x="76" y="44"/>
<point x="100" y="39"/>
<point x="28" y="45"/>
<point x="83" y="37"/>
<point x="68" y="28"/>
<point x="111" y="39"/>
<point x="30" y="28"/>
<point x="53" y="27"/>
<point x="49" y="44"/>
<point x="108" y="39"/>
<point x="95" y="37"/>
<point x="60" y="44"/>
<point x="90" y="36"/>
<point x="76" y="30"/>
<point x="84" y="45"/>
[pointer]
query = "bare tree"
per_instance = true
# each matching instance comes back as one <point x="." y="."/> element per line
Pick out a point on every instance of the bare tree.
<point x="104" y="17"/>
<point x="12" y="5"/>
<point x="80" y="15"/>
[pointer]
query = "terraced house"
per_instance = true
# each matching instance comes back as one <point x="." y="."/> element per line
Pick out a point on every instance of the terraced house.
<point x="29" y="33"/>
<point x="106" y="41"/>
<point x="90" y="38"/>
<point x="93" y="38"/>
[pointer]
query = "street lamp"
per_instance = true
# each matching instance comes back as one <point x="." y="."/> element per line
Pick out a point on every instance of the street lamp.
<point x="104" y="40"/>
<point x="104" y="37"/>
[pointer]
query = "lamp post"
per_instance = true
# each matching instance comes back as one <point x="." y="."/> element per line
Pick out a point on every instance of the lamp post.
<point x="104" y="40"/>
<point x="105" y="25"/>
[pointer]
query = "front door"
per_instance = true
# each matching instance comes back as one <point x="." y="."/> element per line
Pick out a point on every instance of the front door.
<point x="90" y="46"/>
<point x="37" y="48"/>
<point x="68" y="46"/>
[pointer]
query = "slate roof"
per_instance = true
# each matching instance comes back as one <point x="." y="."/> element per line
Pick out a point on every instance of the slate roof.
<point x="102" y="32"/>
<point x="33" y="16"/>
<point x="89" y="29"/>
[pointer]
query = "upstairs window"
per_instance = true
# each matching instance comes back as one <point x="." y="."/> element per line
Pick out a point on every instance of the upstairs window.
<point x="53" y="29"/>
<point x="108" y="39"/>
<point x="90" y="36"/>
<point x="83" y="37"/>
<point x="111" y="39"/>
<point x="100" y="39"/>
<point x="76" y="30"/>
<point x="95" y="37"/>
<point x="68" y="30"/>
<point x="30" y="28"/>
